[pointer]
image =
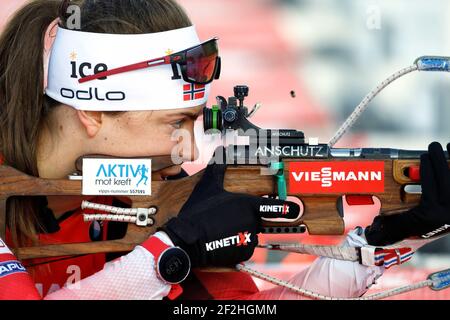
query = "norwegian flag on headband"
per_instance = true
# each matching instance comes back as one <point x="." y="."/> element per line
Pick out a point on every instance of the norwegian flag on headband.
<point x="193" y="91"/>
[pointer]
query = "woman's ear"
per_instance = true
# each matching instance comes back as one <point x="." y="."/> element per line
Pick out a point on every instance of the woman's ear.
<point x="49" y="39"/>
<point x="91" y="120"/>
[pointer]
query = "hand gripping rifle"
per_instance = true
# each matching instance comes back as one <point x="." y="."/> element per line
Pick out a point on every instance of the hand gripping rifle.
<point x="276" y="163"/>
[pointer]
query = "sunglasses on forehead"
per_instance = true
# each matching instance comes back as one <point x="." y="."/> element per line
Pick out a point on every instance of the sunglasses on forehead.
<point x="199" y="64"/>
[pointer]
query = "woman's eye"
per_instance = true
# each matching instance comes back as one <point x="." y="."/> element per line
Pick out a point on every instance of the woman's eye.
<point x="177" y="124"/>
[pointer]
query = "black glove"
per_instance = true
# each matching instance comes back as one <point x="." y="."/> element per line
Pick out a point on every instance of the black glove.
<point x="219" y="228"/>
<point x="431" y="217"/>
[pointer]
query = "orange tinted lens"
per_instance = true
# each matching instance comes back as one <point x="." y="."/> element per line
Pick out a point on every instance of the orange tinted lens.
<point x="201" y="62"/>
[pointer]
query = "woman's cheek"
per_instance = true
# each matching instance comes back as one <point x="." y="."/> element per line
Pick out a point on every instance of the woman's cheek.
<point x="163" y="141"/>
<point x="156" y="139"/>
<point x="161" y="133"/>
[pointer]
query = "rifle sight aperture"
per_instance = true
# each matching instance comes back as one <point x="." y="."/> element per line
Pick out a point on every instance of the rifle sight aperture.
<point x="231" y="115"/>
<point x="228" y="114"/>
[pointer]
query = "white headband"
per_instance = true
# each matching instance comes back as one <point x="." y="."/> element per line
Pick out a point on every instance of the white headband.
<point x="76" y="54"/>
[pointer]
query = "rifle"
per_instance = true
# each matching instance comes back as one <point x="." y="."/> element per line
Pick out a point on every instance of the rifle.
<point x="325" y="179"/>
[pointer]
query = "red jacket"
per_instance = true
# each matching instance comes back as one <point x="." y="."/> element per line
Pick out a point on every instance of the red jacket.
<point x="50" y="274"/>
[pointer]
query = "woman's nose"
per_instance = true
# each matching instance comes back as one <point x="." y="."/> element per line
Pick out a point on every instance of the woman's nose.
<point x="189" y="150"/>
<point x="186" y="148"/>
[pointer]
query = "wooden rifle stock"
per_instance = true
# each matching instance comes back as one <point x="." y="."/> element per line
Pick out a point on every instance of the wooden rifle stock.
<point x="321" y="216"/>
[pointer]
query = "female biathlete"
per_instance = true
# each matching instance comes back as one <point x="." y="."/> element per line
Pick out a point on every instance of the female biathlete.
<point x="68" y="91"/>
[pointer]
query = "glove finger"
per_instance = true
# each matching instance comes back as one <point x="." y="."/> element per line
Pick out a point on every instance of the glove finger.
<point x="275" y="208"/>
<point x="441" y="171"/>
<point x="213" y="176"/>
<point x="428" y="181"/>
<point x="210" y="184"/>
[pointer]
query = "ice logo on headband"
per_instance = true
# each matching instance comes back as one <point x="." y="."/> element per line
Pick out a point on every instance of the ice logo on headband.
<point x="83" y="70"/>
<point x="76" y="55"/>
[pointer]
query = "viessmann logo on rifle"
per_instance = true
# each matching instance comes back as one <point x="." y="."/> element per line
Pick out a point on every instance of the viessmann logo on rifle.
<point x="241" y="239"/>
<point x="336" y="177"/>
